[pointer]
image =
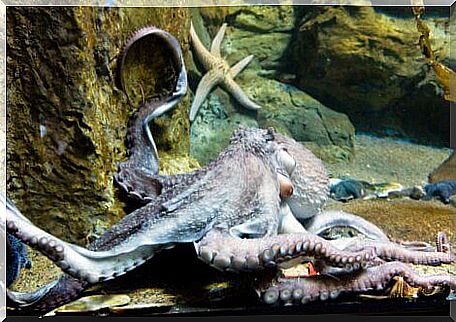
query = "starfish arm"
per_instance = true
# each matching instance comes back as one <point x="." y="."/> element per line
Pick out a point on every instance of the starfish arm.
<point x="240" y="65"/>
<point x="206" y="84"/>
<point x="217" y="42"/>
<point x="204" y="56"/>
<point x="233" y="88"/>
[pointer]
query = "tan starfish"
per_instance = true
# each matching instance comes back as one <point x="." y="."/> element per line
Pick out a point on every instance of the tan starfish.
<point x="218" y="72"/>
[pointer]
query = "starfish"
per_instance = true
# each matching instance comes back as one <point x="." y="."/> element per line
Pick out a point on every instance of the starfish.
<point x="219" y="72"/>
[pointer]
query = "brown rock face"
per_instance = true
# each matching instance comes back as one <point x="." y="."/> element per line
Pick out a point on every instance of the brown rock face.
<point x="369" y="66"/>
<point x="445" y="171"/>
<point x="66" y="120"/>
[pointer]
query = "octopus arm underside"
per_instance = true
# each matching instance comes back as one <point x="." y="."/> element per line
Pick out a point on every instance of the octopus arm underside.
<point x="184" y="217"/>
<point x="49" y="296"/>
<point x="225" y="252"/>
<point x="79" y="262"/>
<point x="323" y="287"/>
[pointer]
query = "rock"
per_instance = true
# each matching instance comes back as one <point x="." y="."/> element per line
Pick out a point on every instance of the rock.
<point x="92" y="303"/>
<point x="16" y="259"/>
<point x="267" y="48"/>
<point x="346" y="190"/>
<point x="367" y="65"/>
<point x="264" y="32"/>
<point x="259" y="19"/>
<point x="417" y="192"/>
<point x="441" y="190"/>
<point x="212" y="128"/>
<point x="302" y="116"/>
<point x="445" y="171"/>
<point x="66" y="120"/>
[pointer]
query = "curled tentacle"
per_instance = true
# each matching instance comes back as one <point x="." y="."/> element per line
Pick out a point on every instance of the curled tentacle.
<point x="335" y="218"/>
<point x="229" y="253"/>
<point x="324" y="287"/>
<point x="138" y="176"/>
<point x="330" y="219"/>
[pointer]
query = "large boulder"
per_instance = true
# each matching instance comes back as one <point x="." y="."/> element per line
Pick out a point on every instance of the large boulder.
<point x="369" y="66"/>
<point x="299" y="115"/>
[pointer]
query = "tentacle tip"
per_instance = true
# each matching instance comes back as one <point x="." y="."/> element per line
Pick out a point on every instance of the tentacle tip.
<point x="12" y="226"/>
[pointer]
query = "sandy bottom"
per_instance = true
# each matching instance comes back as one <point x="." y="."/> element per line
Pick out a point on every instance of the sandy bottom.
<point x="383" y="160"/>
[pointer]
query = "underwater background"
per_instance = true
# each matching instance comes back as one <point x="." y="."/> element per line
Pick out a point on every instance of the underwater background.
<point x="350" y="83"/>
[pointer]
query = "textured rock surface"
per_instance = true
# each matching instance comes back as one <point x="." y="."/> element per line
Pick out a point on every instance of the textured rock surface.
<point x="266" y="33"/>
<point x="66" y="120"/>
<point x="369" y="66"/>
<point x="211" y="131"/>
<point x="445" y="171"/>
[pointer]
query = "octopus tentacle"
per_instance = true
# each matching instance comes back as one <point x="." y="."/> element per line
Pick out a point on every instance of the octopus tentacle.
<point x="330" y="219"/>
<point x="416" y="245"/>
<point x="81" y="263"/>
<point x="325" y="287"/>
<point x="442" y="242"/>
<point x="391" y="252"/>
<point x="49" y="296"/>
<point x="138" y="175"/>
<point x="225" y="252"/>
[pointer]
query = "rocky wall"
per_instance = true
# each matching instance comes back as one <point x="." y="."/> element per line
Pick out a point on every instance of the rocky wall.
<point x="66" y="121"/>
<point x="368" y="65"/>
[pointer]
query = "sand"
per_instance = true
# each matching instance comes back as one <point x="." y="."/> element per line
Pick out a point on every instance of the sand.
<point x="383" y="160"/>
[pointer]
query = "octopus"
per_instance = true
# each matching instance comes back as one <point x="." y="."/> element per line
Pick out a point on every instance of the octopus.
<point x="257" y="207"/>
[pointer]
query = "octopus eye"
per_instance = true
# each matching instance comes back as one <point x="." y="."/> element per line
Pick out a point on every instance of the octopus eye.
<point x="285" y="185"/>
<point x="287" y="161"/>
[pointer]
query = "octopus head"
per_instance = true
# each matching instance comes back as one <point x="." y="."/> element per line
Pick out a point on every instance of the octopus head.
<point x="303" y="181"/>
<point x="307" y="175"/>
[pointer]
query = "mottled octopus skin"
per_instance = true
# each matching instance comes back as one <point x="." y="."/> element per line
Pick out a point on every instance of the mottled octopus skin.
<point x="241" y="211"/>
<point x="324" y="287"/>
<point x="138" y="176"/>
<point x="228" y="253"/>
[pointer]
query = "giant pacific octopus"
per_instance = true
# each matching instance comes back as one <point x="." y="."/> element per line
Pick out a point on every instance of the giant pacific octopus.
<point x="258" y="204"/>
